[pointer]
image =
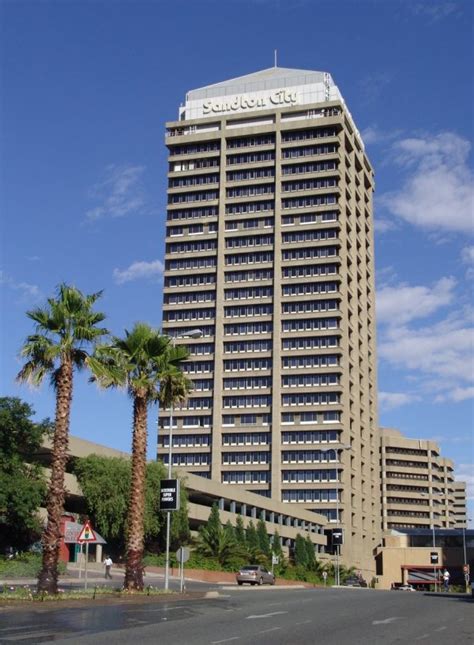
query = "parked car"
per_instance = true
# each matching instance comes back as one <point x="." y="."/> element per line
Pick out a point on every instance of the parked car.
<point x="354" y="581"/>
<point x="255" y="574"/>
<point x="399" y="587"/>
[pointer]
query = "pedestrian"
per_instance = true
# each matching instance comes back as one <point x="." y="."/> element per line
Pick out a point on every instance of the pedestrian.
<point x="108" y="565"/>
<point x="446" y="577"/>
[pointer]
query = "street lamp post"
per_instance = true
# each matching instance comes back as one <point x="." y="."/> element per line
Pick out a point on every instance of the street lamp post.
<point x="432" y="514"/>
<point x="194" y="333"/>
<point x="466" y="574"/>
<point x="338" y="546"/>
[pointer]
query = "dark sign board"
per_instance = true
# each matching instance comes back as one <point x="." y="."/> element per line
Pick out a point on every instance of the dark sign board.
<point x="337" y="537"/>
<point x="169" y="495"/>
<point x="434" y="557"/>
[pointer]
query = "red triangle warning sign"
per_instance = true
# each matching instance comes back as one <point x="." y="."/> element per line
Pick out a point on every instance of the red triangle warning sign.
<point x="86" y="534"/>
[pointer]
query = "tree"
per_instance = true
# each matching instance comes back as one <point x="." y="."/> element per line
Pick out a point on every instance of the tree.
<point x="105" y="484"/>
<point x="219" y="542"/>
<point x="310" y="555"/>
<point x="64" y="330"/>
<point x="252" y="540"/>
<point x="301" y="554"/>
<point x="22" y="484"/>
<point x="276" y="545"/>
<point x="263" y="539"/>
<point x="147" y="364"/>
<point x="240" y="532"/>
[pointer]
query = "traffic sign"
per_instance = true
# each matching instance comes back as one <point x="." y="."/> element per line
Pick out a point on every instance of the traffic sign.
<point x="182" y="554"/>
<point x="325" y="575"/>
<point x="275" y="559"/>
<point x="466" y="568"/>
<point x="86" y="534"/>
<point x="434" y="557"/>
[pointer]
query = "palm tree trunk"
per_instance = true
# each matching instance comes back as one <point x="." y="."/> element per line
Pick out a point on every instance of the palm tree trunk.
<point x="51" y="539"/>
<point x="136" y="508"/>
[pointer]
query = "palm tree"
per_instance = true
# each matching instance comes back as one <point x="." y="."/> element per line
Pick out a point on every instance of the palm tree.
<point x="65" y="329"/>
<point x="147" y="364"/>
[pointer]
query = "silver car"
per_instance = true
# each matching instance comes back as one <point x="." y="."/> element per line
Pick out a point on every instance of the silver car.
<point x="255" y="574"/>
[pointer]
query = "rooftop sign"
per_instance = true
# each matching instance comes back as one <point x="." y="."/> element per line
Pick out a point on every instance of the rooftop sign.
<point x="243" y="102"/>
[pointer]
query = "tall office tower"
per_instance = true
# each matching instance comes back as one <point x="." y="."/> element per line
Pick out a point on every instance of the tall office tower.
<point x="269" y="252"/>
<point x="417" y="484"/>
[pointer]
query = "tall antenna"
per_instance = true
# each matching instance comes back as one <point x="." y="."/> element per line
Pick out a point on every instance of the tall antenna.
<point x="275" y="57"/>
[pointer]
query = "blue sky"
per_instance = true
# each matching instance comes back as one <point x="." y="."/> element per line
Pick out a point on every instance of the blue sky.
<point x="86" y="90"/>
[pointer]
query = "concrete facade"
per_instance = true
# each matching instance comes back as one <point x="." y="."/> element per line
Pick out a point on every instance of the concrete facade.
<point x="202" y="494"/>
<point x="459" y="507"/>
<point x="269" y="252"/>
<point x="418" y="487"/>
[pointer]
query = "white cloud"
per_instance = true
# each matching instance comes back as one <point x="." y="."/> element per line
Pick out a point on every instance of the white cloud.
<point x="27" y="292"/>
<point x="373" y="135"/>
<point x="403" y="303"/>
<point x="120" y="193"/>
<point x="435" y="10"/>
<point x="441" y="352"/>
<point x="465" y="473"/>
<point x="138" y="271"/>
<point x="457" y="394"/>
<point x="383" y="225"/>
<point x="467" y="255"/>
<point x="392" y="400"/>
<point x="438" y="193"/>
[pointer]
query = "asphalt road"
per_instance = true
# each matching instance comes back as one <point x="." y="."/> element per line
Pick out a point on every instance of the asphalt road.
<point x="252" y="615"/>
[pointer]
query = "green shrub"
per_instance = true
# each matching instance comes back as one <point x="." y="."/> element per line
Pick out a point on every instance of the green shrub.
<point x="25" y="565"/>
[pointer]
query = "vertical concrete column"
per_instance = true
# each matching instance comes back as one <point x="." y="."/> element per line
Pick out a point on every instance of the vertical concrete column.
<point x="243" y="510"/>
<point x="216" y="452"/>
<point x="98" y="552"/>
<point x="253" y="512"/>
<point x="233" y="507"/>
<point x="221" y="503"/>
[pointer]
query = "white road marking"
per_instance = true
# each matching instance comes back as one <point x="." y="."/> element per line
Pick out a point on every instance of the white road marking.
<point x="226" y="640"/>
<point x="386" y="621"/>
<point x="422" y="637"/>
<point x="441" y="629"/>
<point x="274" y="613"/>
<point x="272" y="629"/>
<point x="304" y="622"/>
<point x="28" y="635"/>
<point x="11" y="629"/>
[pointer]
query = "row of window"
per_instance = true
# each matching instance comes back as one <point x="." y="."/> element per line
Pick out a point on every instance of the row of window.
<point x="193" y="280"/>
<point x="192" y="229"/>
<point x="197" y="367"/>
<point x="310" y="380"/>
<point x="248" y="346"/>
<point x="301" y="169"/>
<point x="310" y="288"/>
<point x="395" y="513"/>
<point x="246" y="477"/>
<point x="248" y="293"/>
<point x="195" y="164"/>
<point x="309" y="270"/>
<point x="189" y="298"/>
<point x="309" y="476"/>
<point x="246" y="419"/>
<point x="194" y="314"/>
<point x="242" y="242"/>
<point x="249" y="276"/>
<point x="310" y="437"/>
<point x="246" y="142"/>
<point x="189" y="459"/>
<point x="305" y="202"/>
<point x="190" y="247"/>
<point x="293" y="362"/>
<point x="250" y="191"/>
<point x="407" y="476"/>
<point x="250" y="207"/>
<point x="246" y="439"/>
<point x="310" y="218"/>
<point x="201" y="349"/>
<point x="251" y="173"/>
<point x="310" y="306"/>
<point x="239" y="329"/>
<point x="310" y="253"/>
<point x="310" y="343"/>
<point x="249" y="401"/>
<point x="250" y="157"/>
<point x="310" y="417"/>
<point x="193" y="180"/>
<point x="313" y="398"/>
<point x="309" y="184"/>
<point x="306" y="151"/>
<point x="407" y="500"/>
<point x="309" y="236"/>
<point x="264" y="222"/>
<point x="188" y="441"/>
<point x="194" y="148"/>
<point x="245" y="364"/>
<point x="248" y="310"/>
<point x="247" y="383"/>
<point x="249" y="258"/>
<point x="308" y="456"/>
<point x="303" y="135"/>
<point x="193" y="213"/>
<point x="235" y="458"/>
<point x="309" y="496"/>
<point x="310" y="324"/>
<point x="191" y="263"/>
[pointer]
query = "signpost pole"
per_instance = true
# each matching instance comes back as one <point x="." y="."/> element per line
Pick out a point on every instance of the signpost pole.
<point x="85" y="567"/>
<point x="181" y="586"/>
<point x="80" y="561"/>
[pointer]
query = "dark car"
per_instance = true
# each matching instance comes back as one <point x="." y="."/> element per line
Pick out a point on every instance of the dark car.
<point x="255" y="574"/>
<point x="354" y="581"/>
